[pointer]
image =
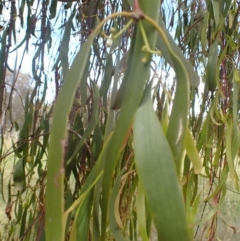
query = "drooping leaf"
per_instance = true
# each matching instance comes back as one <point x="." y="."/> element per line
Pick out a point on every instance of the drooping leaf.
<point x="192" y="75"/>
<point x="192" y="152"/>
<point x="55" y="174"/>
<point x="132" y="96"/>
<point x="63" y="48"/>
<point x="113" y="223"/>
<point x="212" y="67"/>
<point x="141" y="213"/>
<point x="157" y="174"/>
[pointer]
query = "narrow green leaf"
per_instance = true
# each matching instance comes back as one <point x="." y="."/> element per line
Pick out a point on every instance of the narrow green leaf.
<point x="208" y="216"/>
<point x="120" y="93"/>
<point x="97" y="142"/>
<point x="236" y="132"/>
<point x="92" y="123"/>
<point x="220" y="184"/>
<point x="83" y="217"/>
<point x="107" y="76"/>
<point x="178" y="119"/>
<point x="84" y="84"/>
<point x="226" y="5"/>
<point x="18" y="173"/>
<point x="55" y="175"/>
<point x="63" y="48"/>
<point x="2" y="184"/>
<point x="212" y="69"/>
<point x="193" y="212"/>
<point x="98" y="190"/>
<point x="204" y="32"/>
<point x="188" y="201"/>
<point x="53" y="9"/>
<point x="216" y="11"/>
<point x="141" y="213"/>
<point x="81" y="198"/>
<point x="19" y="209"/>
<point x="192" y="75"/>
<point x="165" y="116"/>
<point x="114" y="226"/>
<point x="229" y="150"/>
<point x="3" y="52"/>
<point x="157" y="174"/>
<point x="192" y="152"/>
<point x="132" y="97"/>
<point x="23" y="223"/>
<point x="111" y="113"/>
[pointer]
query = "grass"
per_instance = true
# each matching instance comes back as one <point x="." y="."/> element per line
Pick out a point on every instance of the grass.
<point x="6" y="175"/>
<point x="6" y="171"/>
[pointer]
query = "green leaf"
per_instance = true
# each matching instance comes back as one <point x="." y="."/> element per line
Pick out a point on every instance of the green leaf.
<point x="133" y="93"/>
<point x="236" y="132"/>
<point x="192" y="152"/>
<point x="107" y="76"/>
<point x="178" y="119"/>
<point x="194" y="207"/>
<point x="216" y="11"/>
<point x="53" y="9"/>
<point x="111" y="113"/>
<point x="114" y="226"/>
<point x="204" y="32"/>
<point x="63" y="48"/>
<point x="192" y="75"/>
<point x="84" y="85"/>
<point x="157" y="174"/>
<point x="18" y="172"/>
<point x="212" y="67"/>
<point x="80" y="205"/>
<point x="55" y="175"/>
<point x="141" y="213"/>
<point x="23" y="223"/>
<point x="92" y="123"/>
<point x="229" y="150"/>
<point x="220" y="184"/>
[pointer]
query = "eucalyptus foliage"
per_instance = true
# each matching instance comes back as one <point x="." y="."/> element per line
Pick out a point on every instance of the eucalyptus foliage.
<point x="130" y="131"/>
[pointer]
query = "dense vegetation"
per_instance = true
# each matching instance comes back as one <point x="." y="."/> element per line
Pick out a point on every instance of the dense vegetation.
<point x="130" y="126"/>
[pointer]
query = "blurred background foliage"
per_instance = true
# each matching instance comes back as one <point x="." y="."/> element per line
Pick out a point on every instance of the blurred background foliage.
<point x="139" y="149"/>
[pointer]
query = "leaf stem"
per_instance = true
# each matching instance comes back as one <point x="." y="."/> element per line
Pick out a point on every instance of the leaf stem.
<point x="129" y="23"/>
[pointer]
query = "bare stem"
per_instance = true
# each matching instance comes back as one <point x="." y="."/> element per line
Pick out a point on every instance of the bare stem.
<point x="137" y="11"/>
